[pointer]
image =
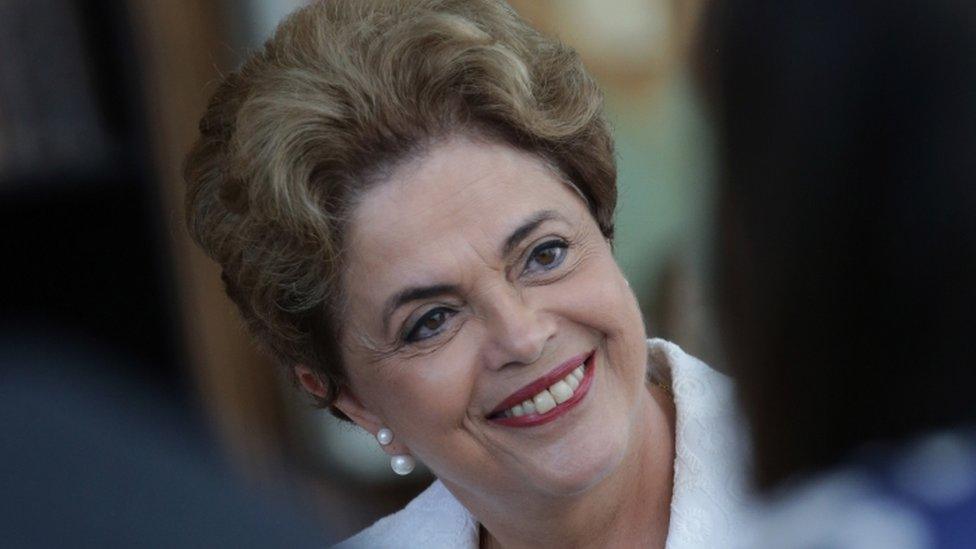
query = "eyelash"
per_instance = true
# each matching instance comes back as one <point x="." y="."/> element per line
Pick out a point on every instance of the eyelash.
<point x="412" y="334"/>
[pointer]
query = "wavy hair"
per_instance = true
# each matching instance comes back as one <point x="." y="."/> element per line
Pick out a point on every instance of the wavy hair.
<point x="342" y="93"/>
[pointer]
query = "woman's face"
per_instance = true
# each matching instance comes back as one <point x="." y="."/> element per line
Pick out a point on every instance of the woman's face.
<point x="476" y="279"/>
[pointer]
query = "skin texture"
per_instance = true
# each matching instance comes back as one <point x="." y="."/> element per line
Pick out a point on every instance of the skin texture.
<point x="600" y="473"/>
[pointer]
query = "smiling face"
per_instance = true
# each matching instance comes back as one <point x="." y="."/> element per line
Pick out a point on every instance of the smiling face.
<point x="477" y="279"/>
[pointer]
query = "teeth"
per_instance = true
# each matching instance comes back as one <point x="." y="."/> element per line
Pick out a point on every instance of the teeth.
<point x="547" y="399"/>
<point x="561" y="391"/>
<point x="572" y="381"/>
<point x="543" y="402"/>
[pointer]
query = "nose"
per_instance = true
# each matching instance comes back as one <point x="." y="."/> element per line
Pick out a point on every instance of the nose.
<point x="518" y="331"/>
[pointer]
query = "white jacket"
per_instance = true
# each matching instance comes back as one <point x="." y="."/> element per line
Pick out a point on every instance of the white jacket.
<point x="708" y="471"/>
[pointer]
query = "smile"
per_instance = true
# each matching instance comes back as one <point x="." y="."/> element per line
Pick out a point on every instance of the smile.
<point x="548" y="397"/>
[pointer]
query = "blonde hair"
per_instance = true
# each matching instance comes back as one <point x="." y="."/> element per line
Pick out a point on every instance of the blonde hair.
<point x="343" y="92"/>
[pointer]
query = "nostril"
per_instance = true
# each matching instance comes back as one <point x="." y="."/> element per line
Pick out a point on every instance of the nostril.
<point x="519" y="333"/>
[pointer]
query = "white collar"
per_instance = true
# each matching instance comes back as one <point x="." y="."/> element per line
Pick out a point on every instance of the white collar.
<point x="708" y="486"/>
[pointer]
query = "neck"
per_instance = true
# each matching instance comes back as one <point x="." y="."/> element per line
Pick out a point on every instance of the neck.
<point x="629" y="508"/>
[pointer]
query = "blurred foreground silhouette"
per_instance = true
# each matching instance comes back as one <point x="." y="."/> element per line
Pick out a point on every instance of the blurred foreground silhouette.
<point x="846" y="267"/>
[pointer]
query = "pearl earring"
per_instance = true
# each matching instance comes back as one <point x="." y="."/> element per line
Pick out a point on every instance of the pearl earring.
<point x="384" y="436"/>
<point x="402" y="464"/>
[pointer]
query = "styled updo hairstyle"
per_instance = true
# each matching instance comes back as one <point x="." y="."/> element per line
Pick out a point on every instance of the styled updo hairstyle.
<point x="342" y="93"/>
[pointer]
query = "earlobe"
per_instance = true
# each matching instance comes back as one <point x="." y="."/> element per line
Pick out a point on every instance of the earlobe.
<point x="350" y="405"/>
<point x="346" y="402"/>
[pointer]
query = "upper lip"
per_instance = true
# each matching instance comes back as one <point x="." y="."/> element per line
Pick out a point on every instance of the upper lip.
<point x="535" y="387"/>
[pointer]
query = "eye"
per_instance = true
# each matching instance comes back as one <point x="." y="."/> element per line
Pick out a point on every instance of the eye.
<point x="546" y="256"/>
<point x="428" y="325"/>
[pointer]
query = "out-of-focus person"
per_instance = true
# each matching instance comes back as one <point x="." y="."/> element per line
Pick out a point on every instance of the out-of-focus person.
<point x="412" y="206"/>
<point x="846" y="265"/>
<point x="91" y="457"/>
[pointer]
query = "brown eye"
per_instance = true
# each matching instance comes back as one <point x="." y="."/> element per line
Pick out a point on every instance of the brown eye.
<point x="546" y="256"/>
<point x="434" y="321"/>
<point x="429" y="325"/>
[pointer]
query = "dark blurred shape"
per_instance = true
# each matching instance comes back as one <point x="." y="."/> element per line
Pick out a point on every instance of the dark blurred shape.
<point x="49" y="120"/>
<point x="101" y="441"/>
<point x="847" y="224"/>
<point x="79" y="207"/>
<point x="92" y="459"/>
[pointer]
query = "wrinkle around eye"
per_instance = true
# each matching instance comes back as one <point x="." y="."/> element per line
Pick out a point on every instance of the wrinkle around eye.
<point x="375" y="351"/>
<point x="384" y="353"/>
<point x="551" y="277"/>
<point x="379" y="352"/>
<point x="579" y="250"/>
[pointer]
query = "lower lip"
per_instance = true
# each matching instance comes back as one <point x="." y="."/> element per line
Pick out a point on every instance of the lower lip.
<point x="531" y="420"/>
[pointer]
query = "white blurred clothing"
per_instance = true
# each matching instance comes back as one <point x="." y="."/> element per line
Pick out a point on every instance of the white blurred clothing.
<point x="917" y="495"/>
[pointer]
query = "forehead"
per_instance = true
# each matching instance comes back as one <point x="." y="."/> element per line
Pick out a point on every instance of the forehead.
<point x="462" y="195"/>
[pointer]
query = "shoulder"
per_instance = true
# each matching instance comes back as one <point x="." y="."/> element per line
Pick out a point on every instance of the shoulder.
<point x="700" y="392"/>
<point x="434" y="519"/>
<point x="710" y="450"/>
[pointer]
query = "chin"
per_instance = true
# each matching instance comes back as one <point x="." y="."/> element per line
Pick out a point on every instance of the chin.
<point x="591" y="459"/>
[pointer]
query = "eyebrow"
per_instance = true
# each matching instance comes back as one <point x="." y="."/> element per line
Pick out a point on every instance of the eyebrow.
<point x="526" y="228"/>
<point x="417" y="293"/>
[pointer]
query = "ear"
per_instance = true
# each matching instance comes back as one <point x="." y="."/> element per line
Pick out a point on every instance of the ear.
<point x="346" y="401"/>
<point x="349" y="404"/>
<point x="310" y="381"/>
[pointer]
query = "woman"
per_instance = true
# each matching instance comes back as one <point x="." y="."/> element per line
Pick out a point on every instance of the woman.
<point x="412" y="205"/>
<point x="848" y="261"/>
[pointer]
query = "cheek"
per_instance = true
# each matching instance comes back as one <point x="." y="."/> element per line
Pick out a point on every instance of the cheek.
<point x="599" y="295"/>
<point x="598" y="299"/>
<point x="426" y="396"/>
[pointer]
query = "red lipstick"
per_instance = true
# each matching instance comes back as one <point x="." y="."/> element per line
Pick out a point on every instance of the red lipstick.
<point x="530" y="390"/>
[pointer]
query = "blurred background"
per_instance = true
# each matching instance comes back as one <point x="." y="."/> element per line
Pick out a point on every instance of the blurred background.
<point x="99" y="101"/>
